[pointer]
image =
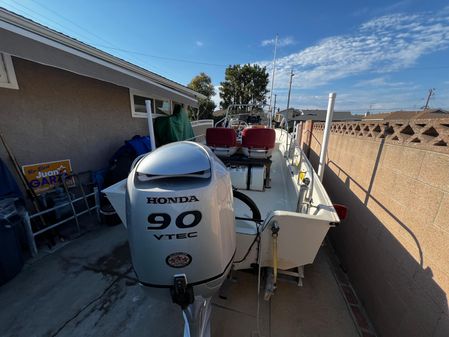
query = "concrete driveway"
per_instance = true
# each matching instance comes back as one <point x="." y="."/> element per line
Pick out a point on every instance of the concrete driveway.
<point x="88" y="288"/>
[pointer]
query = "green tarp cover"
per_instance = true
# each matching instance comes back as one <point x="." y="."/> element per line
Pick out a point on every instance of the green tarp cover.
<point x="173" y="128"/>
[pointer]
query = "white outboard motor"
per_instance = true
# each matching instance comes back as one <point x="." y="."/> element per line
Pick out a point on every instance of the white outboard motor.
<point x="181" y="226"/>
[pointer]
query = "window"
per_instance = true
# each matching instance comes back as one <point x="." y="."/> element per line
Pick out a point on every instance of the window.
<point x="162" y="106"/>
<point x="138" y="106"/>
<point x="176" y="107"/>
<point x="7" y="74"/>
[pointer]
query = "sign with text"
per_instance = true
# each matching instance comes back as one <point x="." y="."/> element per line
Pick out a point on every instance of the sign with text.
<point x="44" y="177"/>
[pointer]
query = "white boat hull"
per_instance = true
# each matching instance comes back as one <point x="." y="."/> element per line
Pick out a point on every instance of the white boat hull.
<point x="300" y="235"/>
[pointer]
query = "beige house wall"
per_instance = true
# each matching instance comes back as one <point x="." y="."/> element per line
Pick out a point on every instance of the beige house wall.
<point x="395" y="243"/>
<point x="56" y="115"/>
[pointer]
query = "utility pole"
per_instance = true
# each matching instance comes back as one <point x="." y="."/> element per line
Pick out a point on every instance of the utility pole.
<point x="274" y="69"/>
<point x="431" y="93"/>
<point x="274" y="106"/>
<point x="290" y="88"/>
<point x="369" y="110"/>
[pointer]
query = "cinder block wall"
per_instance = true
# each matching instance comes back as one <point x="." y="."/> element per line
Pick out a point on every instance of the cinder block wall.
<point x="394" y="177"/>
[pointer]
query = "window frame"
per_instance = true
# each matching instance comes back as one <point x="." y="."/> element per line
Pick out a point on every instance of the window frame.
<point x="10" y="73"/>
<point x="135" y="114"/>
<point x="170" y="103"/>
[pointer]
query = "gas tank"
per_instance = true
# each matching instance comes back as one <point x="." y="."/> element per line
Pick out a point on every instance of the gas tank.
<point x="180" y="218"/>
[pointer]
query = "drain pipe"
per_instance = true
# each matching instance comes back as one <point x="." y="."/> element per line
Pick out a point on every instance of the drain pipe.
<point x="150" y="124"/>
<point x="327" y="130"/>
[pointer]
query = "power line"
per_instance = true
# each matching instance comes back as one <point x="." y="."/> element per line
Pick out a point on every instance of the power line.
<point x="110" y="45"/>
<point x="29" y="10"/>
<point x="166" y="58"/>
<point x="127" y="51"/>
<point x="114" y="47"/>
<point x="72" y="22"/>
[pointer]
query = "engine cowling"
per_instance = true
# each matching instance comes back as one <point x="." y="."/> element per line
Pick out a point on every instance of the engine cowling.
<point x="180" y="218"/>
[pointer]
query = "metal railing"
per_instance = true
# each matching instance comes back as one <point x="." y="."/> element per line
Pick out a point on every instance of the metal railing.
<point x="31" y="235"/>
<point x="202" y="122"/>
<point x="199" y="129"/>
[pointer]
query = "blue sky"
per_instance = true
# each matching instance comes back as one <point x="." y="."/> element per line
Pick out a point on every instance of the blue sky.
<point x="378" y="55"/>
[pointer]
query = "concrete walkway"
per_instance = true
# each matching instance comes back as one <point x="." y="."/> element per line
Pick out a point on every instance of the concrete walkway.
<point x="88" y="288"/>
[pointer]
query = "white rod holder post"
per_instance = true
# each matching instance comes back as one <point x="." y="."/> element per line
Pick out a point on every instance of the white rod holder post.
<point x="149" y="108"/>
<point x="298" y="131"/>
<point x="327" y="130"/>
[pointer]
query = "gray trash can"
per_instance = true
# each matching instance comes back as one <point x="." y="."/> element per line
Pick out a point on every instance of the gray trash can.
<point x="11" y="258"/>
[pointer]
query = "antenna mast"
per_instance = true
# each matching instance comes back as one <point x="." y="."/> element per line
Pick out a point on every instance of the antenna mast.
<point x="431" y="93"/>
<point x="274" y="70"/>
<point x="290" y="88"/>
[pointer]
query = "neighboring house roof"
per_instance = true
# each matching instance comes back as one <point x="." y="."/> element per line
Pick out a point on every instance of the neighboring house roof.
<point x="316" y="115"/>
<point x="379" y="116"/>
<point x="219" y="113"/>
<point x="422" y="114"/>
<point x="27" y="39"/>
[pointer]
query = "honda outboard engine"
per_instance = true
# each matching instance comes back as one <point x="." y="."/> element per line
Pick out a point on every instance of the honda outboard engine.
<point x="180" y="220"/>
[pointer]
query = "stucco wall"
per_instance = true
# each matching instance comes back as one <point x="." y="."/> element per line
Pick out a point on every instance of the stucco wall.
<point x="395" y="243"/>
<point x="56" y="115"/>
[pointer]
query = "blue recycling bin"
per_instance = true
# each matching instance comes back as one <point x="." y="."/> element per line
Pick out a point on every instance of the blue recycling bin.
<point x="11" y="258"/>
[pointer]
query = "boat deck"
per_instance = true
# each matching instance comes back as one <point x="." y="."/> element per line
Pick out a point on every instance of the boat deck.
<point x="88" y="288"/>
<point x="281" y="194"/>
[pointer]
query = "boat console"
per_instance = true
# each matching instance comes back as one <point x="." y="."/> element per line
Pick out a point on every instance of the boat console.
<point x="249" y="162"/>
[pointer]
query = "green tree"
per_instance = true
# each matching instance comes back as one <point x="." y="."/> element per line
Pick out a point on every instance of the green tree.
<point x="202" y="83"/>
<point x="245" y="84"/>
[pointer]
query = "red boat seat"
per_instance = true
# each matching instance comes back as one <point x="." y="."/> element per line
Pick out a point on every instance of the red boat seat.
<point x="222" y="141"/>
<point x="258" y="142"/>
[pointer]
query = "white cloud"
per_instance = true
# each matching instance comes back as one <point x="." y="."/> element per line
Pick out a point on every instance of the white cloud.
<point x="375" y="98"/>
<point x="359" y="100"/>
<point x="382" y="45"/>
<point x="384" y="9"/>
<point x="382" y="81"/>
<point x="282" y="42"/>
<point x="199" y="43"/>
<point x="216" y="98"/>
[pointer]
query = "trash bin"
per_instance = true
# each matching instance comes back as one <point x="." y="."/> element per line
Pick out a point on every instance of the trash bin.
<point x="11" y="258"/>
